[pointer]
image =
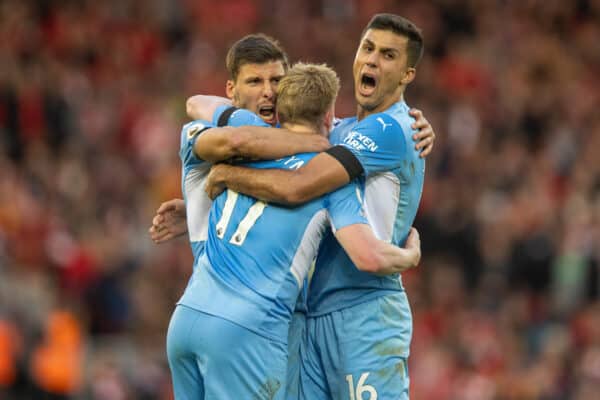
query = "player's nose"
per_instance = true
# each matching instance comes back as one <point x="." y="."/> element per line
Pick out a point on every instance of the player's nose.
<point x="268" y="90"/>
<point x="372" y="59"/>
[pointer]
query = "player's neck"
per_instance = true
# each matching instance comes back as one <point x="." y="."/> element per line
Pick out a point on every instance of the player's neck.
<point x="300" y="128"/>
<point x="362" y="113"/>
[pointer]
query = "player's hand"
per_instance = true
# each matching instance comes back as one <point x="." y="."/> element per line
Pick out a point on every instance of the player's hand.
<point x="215" y="182"/>
<point x="169" y="221"/>
<point x="413" y="244"/>
<point x="425" y="135"/>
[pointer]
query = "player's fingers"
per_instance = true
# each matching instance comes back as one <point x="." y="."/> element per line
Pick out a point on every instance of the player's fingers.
<point x="426" y="151"/>
<point x="167" y="206"/>
<point x="420" y="124"/>
<point x="413" y="237"/>
<point x="415" y="112"/>
<point x="423" y="132"/>
<point x="422" y="143"/>
<point x="215" y="192"/>
<point x="157" y="220"/>
<point x="161" y="237"/>
<point x="208" y="188"/>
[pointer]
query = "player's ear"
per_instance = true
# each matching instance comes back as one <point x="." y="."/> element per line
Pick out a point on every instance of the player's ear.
<point x="329" y="115"/>
<point x="230" y="89"/>
<point x="408" y="76"/>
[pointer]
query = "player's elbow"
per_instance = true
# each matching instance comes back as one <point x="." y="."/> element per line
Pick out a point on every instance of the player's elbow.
<point x="300" y="188"/>
<point x="289" y="195"/>
<point x="370" y="261"/>
<point x="191" y="107"/>
<point x="294" y="193"/>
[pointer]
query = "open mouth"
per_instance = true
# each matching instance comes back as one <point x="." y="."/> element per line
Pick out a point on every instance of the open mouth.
<point x="368" y="83"/>
<point x="267" y="112"/>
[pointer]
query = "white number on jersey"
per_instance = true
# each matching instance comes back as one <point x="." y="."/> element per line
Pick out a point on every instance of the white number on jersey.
<point x="254" y="212"/>
<point x="361" y="387"/>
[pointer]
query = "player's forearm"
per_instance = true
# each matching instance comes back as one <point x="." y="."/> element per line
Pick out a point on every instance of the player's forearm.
<point x="268" y="184"/>
<point x="392" y="259"/>
<point x="203" y="107"/>
<point x="375" y="256"/>
<point x="270" y="144"/>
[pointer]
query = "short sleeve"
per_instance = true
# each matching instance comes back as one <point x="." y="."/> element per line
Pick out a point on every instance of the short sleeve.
<point x="377" y="142"/>
<point x="189" y="134"/>
<point x="236" y="117"/>
<point x="345" y="206"/>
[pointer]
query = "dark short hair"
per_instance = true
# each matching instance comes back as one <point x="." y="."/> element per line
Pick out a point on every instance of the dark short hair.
<point x="403" y="27"/>
<point x="256" y="48"/>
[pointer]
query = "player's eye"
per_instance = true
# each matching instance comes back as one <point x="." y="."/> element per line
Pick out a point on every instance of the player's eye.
<point x="389" y="56"/>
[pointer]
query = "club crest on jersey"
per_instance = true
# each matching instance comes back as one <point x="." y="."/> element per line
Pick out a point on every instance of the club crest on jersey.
<point x="194" y="129"/>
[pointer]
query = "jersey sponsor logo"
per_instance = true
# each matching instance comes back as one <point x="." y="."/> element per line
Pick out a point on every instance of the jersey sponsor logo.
<point x="360" y="142"/>
<point x="382" y="122"/>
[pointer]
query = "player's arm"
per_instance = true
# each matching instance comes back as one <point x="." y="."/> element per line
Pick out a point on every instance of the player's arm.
<point x="322" y="174"/>
<point x="375" y="256"/>
<point x="203" y="107"/>
<point x="255" y="142"/>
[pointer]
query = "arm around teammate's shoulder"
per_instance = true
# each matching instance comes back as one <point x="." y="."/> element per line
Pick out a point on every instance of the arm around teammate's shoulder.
<point x="320" y="175"/>
<point x="255" y="142"/>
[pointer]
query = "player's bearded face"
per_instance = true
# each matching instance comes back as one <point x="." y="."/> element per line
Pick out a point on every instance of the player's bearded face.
<point x="255" y="89"/>
<point x="380" y="70"/>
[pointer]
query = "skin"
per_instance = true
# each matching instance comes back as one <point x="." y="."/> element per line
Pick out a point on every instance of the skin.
<point x="255" y="89"/>
<point x="382" y="56"/>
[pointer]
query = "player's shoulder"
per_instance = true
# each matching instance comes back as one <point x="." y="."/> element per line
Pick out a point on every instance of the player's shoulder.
<point x="189" y="134"/>
<point x="196" y="126"/>
<point x="383" y="123"/>
<point x="192" y="129"/>
<point x="233" y="116"/>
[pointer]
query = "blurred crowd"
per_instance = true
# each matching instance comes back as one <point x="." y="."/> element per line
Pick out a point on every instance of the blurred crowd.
<point x="506" y="299"/>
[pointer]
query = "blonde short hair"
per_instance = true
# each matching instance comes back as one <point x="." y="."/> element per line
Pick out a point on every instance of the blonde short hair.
<point x="306" y="93"/>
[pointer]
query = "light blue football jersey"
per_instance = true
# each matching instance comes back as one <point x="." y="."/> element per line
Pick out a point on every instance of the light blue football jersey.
<point x="394" y="175"/>
<point x="239" y="117"/>
<point x="257" y="255"/>
<point x="195" y="171"/>
<point x="193" y="180"/>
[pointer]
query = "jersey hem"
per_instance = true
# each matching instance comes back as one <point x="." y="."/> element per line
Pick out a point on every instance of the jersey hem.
<point x="253" y="330"/>
<point x="365" y="299"/>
